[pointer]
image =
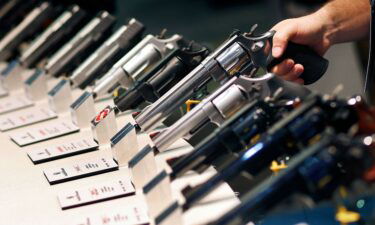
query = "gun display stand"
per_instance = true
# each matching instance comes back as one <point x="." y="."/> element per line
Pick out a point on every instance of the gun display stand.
<point x="60" y="97"/>
<point x="104" y="126"/>
<point x="11" y="77"/>
<point x="161" y="204"/>
<point x="125" y="145"/>
<point x="36" y="86"/>
<point x="83" y="110"/>
<point x="143" y="167"/>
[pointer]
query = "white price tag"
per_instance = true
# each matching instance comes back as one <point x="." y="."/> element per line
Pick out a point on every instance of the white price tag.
<point x="54" y="152"/>
<point x="80" y="169"/>
<point x="96" y="193"/>
<point x="25" y="118"/>
<point x="34" y="135"/>
<point x="131" y="215"/>
<point x="13" y="103"/>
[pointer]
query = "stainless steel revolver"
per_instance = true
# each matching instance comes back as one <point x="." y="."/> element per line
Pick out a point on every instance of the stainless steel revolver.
<point x="225" y="102"/>
<point x="242" y="53"/>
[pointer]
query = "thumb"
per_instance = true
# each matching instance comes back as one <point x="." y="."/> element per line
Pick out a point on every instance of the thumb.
<point x="281" y="38"/>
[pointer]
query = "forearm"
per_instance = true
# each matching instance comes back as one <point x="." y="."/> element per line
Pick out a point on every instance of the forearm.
<point x="346" y="20"/>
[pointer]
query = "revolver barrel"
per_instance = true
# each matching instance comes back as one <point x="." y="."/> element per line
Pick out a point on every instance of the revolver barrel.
<point x="105" y="56"/>
<point x="217" y="108"/>
<point x="59" y="29"/>
<point x="79" y="45"/>
<point x="225" y="62"/>
<point x="137" y="61"/>
<point x="32" y="23"/>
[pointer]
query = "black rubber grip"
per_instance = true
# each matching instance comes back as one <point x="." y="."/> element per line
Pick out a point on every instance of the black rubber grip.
<point x="315" y="65"/>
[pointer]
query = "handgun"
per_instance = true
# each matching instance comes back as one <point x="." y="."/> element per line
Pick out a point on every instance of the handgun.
<point x="44" y="44"/>
<point x="137" y="61"/>
<point x="235" y="135"/>
<point x="223" y="103"/>
<point x="31" y="24"/>
<point x="162" y="77"/>
<point x="300" y="126"/>
<point x="81" y="45"/>
<point x="307" y="173"/>
<point x="243" y="53"/>
<point x="12" y="12"/>
<point x="108" y="54"/>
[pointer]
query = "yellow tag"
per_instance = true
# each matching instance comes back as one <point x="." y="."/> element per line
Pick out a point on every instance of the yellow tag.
<point x="276" y="167"/>
<point x="255" y="139"/>
<point x="189" y="103"/>
<point x="116" y="93"/>
<point x="315" y="139"/>
<point x="345" y="216"/>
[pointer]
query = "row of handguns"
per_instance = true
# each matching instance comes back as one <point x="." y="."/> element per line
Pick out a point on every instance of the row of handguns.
<point x="261" y="118"/>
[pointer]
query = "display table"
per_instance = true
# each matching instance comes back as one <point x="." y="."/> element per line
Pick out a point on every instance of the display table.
<point x="28" y="198"/>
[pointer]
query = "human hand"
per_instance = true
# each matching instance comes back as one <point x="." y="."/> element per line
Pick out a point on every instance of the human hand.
<point x="309" y="30"/>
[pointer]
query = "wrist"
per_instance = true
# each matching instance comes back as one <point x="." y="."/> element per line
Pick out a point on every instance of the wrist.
<point x="329" y="26"/>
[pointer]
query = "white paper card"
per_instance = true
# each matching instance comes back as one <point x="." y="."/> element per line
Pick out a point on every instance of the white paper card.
<point x="38" y="134"/>
<point x="58" y="151"/>
<point x="80" y="169"/>
<point x="131" y="215"/>
<point x="25" y="118"/>
<point x="13" y="103"/>
<point x="96" y="193"/>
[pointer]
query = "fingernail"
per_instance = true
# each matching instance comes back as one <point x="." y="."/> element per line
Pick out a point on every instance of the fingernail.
<point x="299" y="69"/>
<point x="276" y="52"/>
<point x="289" y="63"/>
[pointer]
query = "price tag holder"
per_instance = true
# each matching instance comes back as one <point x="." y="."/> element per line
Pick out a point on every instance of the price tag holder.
<point x="129" y="215"/>
<point x="14" y="103"/>
<point x="104" y="126"/>
<point x="143" y="167"/>
<point x="60" y="97"/>
<point x="49" y="153"/>
<point x="83" y="110"/>
<point x="96" y="193"/>
<point x="35" y="135"/>
<point x="36" y="85"/>
<point x="125" y="144"/>
<point x="80" y="170"/>
<point x="25" y="118"/>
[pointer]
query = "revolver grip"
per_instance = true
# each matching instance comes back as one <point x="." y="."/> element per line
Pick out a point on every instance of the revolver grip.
<point x="315" y="65"/>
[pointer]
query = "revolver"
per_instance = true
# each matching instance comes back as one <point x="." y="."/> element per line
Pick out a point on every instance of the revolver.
<point x="136" y="62"/>
<point x="57" y="32"/>
<point x="301" y="125"/>
<point x="84" y="42"/>
<point x="12" y="12"/>
<point x="223" y="103"/>
<point x="243" y="53"/>
<point x="307" y="173"/>
<point x="109" y="53"/>
<point x="33" y="22"/>
<point x="162" y="77"/>
<point x="235" y="135"/>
